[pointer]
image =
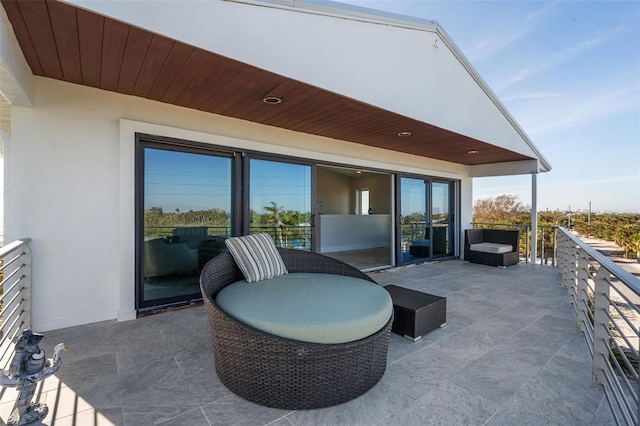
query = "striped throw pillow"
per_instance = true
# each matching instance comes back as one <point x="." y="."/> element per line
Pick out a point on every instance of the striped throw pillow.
<point x="257" y="256"/>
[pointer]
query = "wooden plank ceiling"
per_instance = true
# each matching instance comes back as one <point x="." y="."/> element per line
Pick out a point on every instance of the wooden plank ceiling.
<point x="67" y="43"/>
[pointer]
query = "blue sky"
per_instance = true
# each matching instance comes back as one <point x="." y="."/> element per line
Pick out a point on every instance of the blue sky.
<point x="186" y="181"/>
<point x="569" y="73"/>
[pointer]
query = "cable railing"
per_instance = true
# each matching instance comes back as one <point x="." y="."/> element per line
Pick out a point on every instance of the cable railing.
<point x="605" y="298"/>
<point x="15" y="301"/>
<point x="289" y="236"/>
<point x="169" y="230"/>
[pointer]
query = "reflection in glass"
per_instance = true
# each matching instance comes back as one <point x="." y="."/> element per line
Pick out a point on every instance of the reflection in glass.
<point x="441" y="217"/>
<point x="415" y="225"/>
<point x="187" y="217"/>
<point x="280" y="202"/>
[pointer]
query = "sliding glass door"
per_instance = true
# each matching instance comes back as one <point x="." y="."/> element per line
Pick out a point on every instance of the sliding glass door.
<point x="186" y="215"/>
<point x="190" y="198"/>
<point x="442" y="218"/>
<point x="414" y="220"/>
<point x="355" y="211"/>
<point x="425" y="220"/>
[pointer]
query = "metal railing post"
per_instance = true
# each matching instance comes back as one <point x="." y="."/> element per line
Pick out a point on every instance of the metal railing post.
<point x="572" y="271"/>
<point x="543" y="258"/>
<point x="567" y="270"/>
<point x="555" y="246"/>
<point x="26" y="283"/>
<point x="601" y="327"/>
<point x="582" y="289"/>
<point x="526" y="256"/>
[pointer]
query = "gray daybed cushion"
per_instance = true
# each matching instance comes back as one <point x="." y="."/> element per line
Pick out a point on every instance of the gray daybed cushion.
<point x="493" y="248"/>
<point x="310" y="307"/>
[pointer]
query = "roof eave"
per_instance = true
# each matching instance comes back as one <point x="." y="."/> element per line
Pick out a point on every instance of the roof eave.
<point x="358" y="13"/>
<point x="544" y="165"/>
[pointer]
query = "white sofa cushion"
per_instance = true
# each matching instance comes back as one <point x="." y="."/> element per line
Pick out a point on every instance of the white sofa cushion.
<point x="493" y="248"/>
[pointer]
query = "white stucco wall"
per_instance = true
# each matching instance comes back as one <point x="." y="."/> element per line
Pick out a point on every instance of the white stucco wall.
<point x="72" y="185"/>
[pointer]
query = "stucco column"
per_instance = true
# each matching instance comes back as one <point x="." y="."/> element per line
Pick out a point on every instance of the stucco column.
<point x="534" y="217"/>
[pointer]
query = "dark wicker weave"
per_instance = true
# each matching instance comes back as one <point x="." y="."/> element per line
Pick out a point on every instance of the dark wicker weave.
<point x="416" y="313"/>
<point x="284" y="373"/>
<point x="500" y="236"/>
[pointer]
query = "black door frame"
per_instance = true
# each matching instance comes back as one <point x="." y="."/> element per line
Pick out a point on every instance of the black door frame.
<point x="453" y="230"/>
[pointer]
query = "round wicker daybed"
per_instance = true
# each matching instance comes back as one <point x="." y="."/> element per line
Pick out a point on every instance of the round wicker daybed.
<point x="283" y="373"/>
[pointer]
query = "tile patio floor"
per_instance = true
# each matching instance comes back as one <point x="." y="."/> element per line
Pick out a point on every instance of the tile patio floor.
<point x="509" y="355"/>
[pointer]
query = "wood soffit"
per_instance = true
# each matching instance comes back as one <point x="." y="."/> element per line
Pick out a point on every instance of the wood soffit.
<point x="67" y="43"/>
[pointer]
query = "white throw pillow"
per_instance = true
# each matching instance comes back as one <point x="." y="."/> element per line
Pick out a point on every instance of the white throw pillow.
<point x="257" y="256"/>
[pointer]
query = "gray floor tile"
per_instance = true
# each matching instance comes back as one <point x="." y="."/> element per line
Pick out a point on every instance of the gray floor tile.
<point x="105" y="417"/>
<point x="496" y="376"/>
<point x="469" y="344"/>
<point x="233" y="410"/>
<point x="417" y="373"/>
<point x="603" y="416"/>
<point x="542" y="402"/>
<point x="281" y="422"/>
<point x="380" y="402"/>
<point x="445" y="404"/>
<point x="533" y="345"/>
<point x="192" y="418"/>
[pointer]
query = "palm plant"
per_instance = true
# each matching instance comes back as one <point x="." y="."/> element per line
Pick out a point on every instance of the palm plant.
<point x="275" y="218"/>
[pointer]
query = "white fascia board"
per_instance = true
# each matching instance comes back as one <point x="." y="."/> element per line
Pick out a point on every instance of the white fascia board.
<point x="410" y="67"/>
<point x="349" y="11"/>
<point x="15" y="75"/>
<point x="505" y="169"/>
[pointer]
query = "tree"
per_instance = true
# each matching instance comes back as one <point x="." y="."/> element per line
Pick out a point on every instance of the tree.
<point x="275" y="218"/>
<point x="503" y="209"/>
<point x="275" y="214"/>
<point x="628" y="237"/>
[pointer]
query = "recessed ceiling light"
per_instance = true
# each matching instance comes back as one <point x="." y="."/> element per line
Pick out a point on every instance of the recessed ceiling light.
<point x="404" y="134"/>
<point x="272" y="100"/>
<point x="473" y="151"/>
<point x="359" y="172"/>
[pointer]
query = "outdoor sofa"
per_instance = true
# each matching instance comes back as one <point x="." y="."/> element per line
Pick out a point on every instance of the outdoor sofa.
<point x="164" y="256"/>
<point x="291" y="372"/>
<point x="496" y="247"/>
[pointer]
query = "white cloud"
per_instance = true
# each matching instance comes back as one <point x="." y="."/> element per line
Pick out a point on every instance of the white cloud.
<point x="531" y="95"/>
<point x="495" y="44"/>
<point x="560" y="116"/>
<point x="558" y="58"/>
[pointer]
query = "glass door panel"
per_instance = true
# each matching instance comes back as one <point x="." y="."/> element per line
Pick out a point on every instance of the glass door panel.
<point x="441" y="218"/>
<point x="415" y="220"/>
<point x="280" y="202"/>
<point x="187" y="199"/>
<point x="354" y="224"/>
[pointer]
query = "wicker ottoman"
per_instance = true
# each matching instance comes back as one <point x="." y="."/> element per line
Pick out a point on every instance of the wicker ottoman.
<point x="416" y="313"/>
